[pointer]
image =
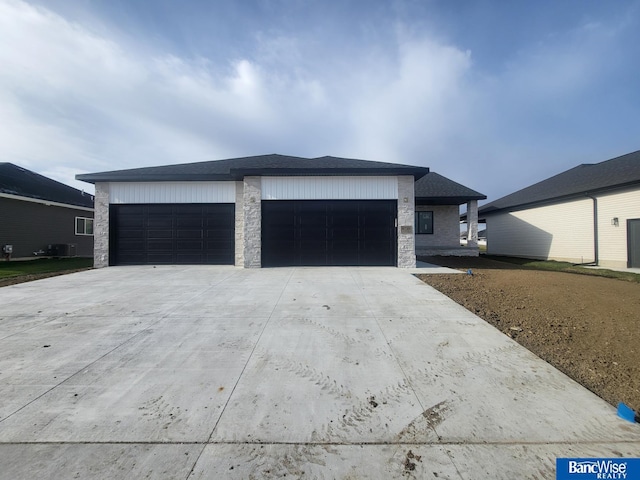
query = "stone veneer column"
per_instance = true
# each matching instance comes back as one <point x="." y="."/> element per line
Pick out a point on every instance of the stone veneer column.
<point x="406" y="221"/>
<point x="101" y="226"/>
<point x="239" y="228"/>
<point x="472" y="224"/>
<point x="252" y="211"/>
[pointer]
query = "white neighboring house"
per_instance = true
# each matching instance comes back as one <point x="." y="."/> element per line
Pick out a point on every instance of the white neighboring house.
<point x="589" y="214"/>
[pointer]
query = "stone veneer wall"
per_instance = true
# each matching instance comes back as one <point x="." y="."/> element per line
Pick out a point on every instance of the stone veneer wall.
<point x="406" y="237"/>
<point x="101" y="226"/>
<point x="252" y="213"/>
<point x="446" y="227"/>
<point x="239" y="225"/>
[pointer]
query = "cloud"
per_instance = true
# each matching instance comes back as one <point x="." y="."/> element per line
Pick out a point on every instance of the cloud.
<point x="78" y="98"/>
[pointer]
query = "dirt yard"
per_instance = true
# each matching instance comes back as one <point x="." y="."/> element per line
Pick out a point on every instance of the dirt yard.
<point x="588" y="327"/>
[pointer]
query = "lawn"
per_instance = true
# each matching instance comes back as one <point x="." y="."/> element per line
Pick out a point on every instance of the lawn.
<point x="42" y="266"/>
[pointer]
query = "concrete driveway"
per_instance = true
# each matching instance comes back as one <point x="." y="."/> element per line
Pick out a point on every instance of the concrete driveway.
<point x="218" y="372"/>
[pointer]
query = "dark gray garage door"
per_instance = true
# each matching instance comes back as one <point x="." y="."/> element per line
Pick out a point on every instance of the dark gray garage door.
<point x="171" y="234"/>
<point x="335" y="232"/>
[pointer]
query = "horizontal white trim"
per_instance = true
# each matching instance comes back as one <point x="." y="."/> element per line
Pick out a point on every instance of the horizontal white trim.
<point x="172" y="192"/>
<point x="48" y="203"/>
<point x="330" y="188"/>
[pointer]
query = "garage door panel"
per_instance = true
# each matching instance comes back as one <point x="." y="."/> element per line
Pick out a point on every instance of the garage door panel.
<point x="133" y="221"/>
<point x="133" y="245"/>
<point x="189" y="222"/>
<point x="166" y="244"/>
<point x="332" y="232"/>
<point x="156" y="233"/>
<point x="189" y="233"/>
<point x="172" y="234"/>
<point x="132" y="259"/>
<point x="159" y="259"/>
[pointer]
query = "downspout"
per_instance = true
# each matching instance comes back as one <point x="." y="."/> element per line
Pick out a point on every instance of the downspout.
<point x="595" y="231"/>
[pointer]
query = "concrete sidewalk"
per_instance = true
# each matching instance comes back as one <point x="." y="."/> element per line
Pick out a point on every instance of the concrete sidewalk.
<point x="217" y="372"/>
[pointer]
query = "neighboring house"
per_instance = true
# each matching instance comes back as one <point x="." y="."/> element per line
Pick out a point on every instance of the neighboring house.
<point x="589" y="214"/>
<point x="276" y="210"/>
<point x="37" y="212"/>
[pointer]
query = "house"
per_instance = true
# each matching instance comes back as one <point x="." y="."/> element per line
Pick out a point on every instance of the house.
<point x="275" y="210"/>
<point x="41" y="216"/>
<point x="589" y="214"/>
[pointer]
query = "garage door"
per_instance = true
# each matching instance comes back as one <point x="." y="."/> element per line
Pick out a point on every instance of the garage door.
<point x="335" y="232"/>
<point x="171" y="234"/>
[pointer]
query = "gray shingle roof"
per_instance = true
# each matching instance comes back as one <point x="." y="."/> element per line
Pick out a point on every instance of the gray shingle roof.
<point x="15" y="180"/>
<point x="435" y="189"/>
<point x="584" y="179"/>
<point x="237" y="168"/>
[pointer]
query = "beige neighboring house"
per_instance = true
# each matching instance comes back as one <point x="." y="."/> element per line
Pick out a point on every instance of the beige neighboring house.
<point x="589" y="214"/>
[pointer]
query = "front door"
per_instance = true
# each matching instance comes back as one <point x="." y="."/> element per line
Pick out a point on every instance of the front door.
<point x="633" y="243"/>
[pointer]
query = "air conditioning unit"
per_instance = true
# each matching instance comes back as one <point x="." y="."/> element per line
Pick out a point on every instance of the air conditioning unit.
<point x="62" y="250"/>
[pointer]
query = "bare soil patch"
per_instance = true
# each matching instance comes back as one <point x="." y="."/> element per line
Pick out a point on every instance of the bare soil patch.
<point x="588" y="327"/>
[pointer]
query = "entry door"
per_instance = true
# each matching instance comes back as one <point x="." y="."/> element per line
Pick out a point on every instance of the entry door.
<point x="633" y="243"/>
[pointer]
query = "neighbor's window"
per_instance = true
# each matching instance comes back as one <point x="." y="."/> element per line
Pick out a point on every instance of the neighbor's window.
<point x="424" y="222"/>
<point x="84" y="226"/>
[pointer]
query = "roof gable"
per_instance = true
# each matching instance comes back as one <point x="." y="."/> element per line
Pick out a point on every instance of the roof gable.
<point x="237" y="168"/>
<point x="584" y="179"/>
<point x="18" y="181"/>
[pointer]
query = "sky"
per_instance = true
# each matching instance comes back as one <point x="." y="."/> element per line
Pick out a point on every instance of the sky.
<point x="493" y="94"/>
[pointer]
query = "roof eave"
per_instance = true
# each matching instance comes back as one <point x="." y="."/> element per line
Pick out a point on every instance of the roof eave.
<point x="452" y="200"/>
<point x="89" y="178"/>
<point x="238" y="174"/>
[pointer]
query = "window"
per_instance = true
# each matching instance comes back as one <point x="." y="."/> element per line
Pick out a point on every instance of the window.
<point x="84" y="226"/>
<point x="424" y="222"/>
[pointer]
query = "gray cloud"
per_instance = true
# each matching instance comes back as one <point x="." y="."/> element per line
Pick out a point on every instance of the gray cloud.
<point x="76" y="99"/>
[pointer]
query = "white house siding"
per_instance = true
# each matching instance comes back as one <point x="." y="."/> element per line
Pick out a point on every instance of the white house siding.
<point x="172" y="192"/>
<point x="561" y="232"/>
<point x="329" y="188"/>
<point x="446" y="228"/>
<point x="613" y="239"/>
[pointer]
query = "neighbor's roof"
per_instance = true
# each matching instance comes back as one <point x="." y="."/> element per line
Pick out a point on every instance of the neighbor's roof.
<point x="434" y="189"/>
<point x="20" y="182"/>
<point x="238" y="168"/>
<point x="579" y="181"/>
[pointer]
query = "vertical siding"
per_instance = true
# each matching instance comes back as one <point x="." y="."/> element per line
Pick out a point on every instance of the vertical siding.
<point x="446" y="227"/>
<point x="556" y="232"/>
<point x="172" y="192"/>
<point x="329" y="188"/>
<point x="613" y="239"/>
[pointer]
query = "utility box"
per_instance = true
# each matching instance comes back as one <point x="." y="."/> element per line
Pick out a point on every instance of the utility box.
<point x="7" y="249"/>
